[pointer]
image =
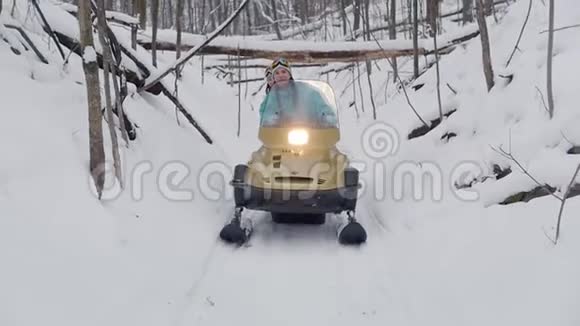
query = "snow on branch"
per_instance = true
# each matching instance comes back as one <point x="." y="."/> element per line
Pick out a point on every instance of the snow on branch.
<point x="309" y="51"/>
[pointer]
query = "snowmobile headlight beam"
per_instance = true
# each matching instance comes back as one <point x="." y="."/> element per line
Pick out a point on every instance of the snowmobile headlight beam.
<point x="298" y="137"/>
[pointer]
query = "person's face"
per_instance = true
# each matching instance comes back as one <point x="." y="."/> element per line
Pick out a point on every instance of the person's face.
<point x="281" y="77"/>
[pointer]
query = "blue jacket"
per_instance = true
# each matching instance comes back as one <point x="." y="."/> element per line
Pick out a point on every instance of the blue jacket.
<point x="298" y="102"/>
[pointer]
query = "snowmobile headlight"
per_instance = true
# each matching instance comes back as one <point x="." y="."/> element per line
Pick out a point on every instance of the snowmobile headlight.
<point x="298" y="137"/>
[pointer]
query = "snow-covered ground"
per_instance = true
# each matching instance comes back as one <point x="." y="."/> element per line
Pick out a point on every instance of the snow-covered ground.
<point x="151" y="255"/>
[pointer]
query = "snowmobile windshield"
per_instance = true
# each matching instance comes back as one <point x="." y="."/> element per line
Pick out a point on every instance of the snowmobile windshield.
<point x="308" y="104"/>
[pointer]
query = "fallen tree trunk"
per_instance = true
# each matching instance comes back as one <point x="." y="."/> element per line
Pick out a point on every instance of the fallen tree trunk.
<point x="315" y="52"/>
<point x="261" y="66"/>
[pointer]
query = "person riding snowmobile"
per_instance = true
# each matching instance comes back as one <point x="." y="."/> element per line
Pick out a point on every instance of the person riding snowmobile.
<point x="294" y="101"/>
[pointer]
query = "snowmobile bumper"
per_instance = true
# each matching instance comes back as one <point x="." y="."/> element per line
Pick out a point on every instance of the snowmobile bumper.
<point x="295" y="201"/>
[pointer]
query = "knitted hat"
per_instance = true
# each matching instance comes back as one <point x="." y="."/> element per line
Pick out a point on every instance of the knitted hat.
<point x="281" y="63"/>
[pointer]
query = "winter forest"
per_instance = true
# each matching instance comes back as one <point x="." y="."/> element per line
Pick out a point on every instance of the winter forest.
<point x="289" y="162"/>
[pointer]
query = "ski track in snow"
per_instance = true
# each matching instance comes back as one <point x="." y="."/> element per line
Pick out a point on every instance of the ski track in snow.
<point x="301" y="268"/>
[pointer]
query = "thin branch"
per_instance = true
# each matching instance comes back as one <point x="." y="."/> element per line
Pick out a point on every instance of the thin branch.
<point x="239" y="97"/>
<point x="542" y="97"/>
<point x="521" y="33"/>
<point x="402" y="84"/>
<point x="561" y="28"/>
<point x="566" y="138"/>
<point x="451" y="88"/>
<point x="371" y="90"/>
<point x="29" y="41"/>
<point x="547" y="236"/>
<point x="510" y="156"/>
<point x="572" y="181"/>
<point x="362" y="102"/>
<point x="47" y="28"/>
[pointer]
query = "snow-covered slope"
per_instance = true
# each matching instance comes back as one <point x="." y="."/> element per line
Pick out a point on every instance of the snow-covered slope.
<point x="151" y="256"/>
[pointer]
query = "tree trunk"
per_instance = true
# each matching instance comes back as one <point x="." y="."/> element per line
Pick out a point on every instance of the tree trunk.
<point x="467" y="11"/>
<point x="485" y="50"/>
<point x="154" y="27"/>
<point x="169" y="13"/>
<point x="550" y="54"/>
<point x="236" y="23"/>
<point x="409" y="16"/>
<point x="438" y="78"/>
<point x="432" y="14"/>
<point x="140" y="7"/>
<point x="248" y="20"/>
<point x="125" y="7"/>
<point x="190" y="16"/>
<point x="91" y="69"/>
<point x="201" y="20"/>
<point x="415" y="39"/>
<point x="1" y="6"/>
<point x="367" y="20"/>
<point x="488" y="7"/>
<point x="178" y="26"/>
<point x="107" y="65"/>
<point x="212" y="17"/>
<point x="356" y="14"/>
<point x="275" y="17"/>
<point x="393" y="34"/>
<point x="343" y="16"/>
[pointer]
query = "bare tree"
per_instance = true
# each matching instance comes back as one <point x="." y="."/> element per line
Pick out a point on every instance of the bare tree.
<point x="107" y="65"/>
<point x="343" y="16"/>
<point x="366" y="21"/>
<point x="275" y="17"/>
<point x="356" y="14"/>
<point x="201" y="20"/>
<point x="467" y="11"/>
<point x="438" y="77"/>
<point x="415" y="39"/>
<point x="178" y="26"/>
<point x="248" y="20"/>
<point x="125" y="7"/>
<point x="154" y="27"/>
<point x="488" y="8"/>
<point x="393" y="34"/>
<point x="550" y="54"/>
<point x="432" y="14"/>
<point x="485" y="50"/>
<point x="140" y="8"/>
<point x="1" y="6"/>
<point x="91" y="69"/>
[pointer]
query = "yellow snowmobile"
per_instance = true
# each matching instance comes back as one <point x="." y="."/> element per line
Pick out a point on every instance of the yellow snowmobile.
<point x="298" y="174"/>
